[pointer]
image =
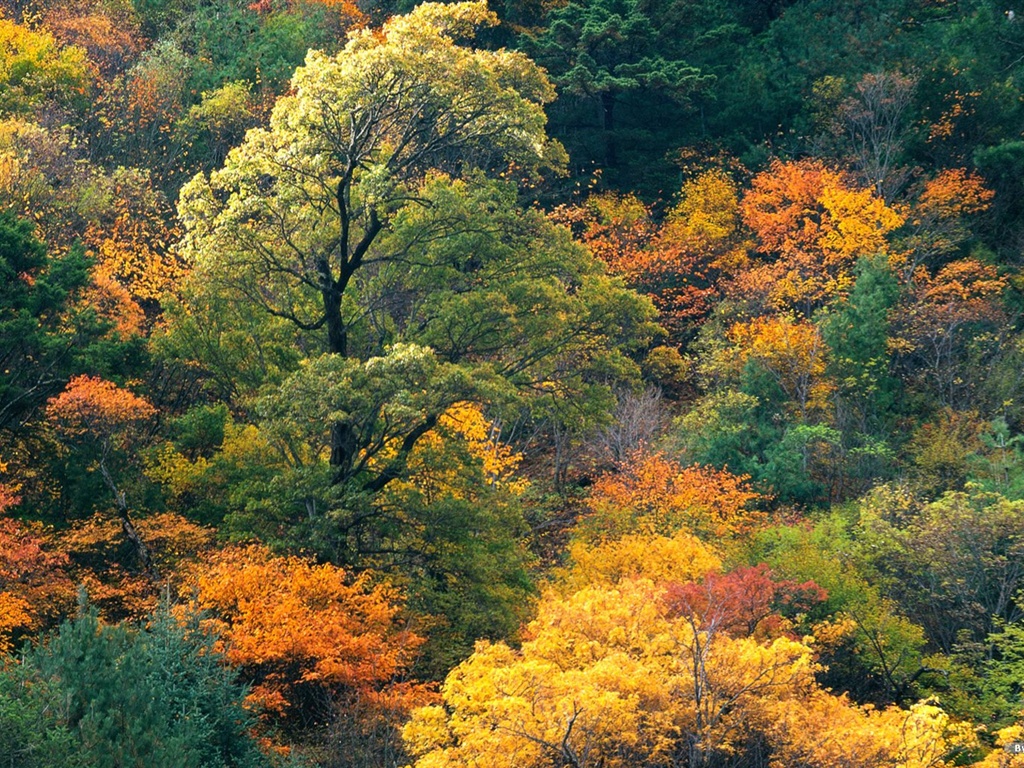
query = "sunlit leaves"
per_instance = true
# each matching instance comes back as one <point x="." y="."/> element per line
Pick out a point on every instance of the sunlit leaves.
<point x="291" y="625"/>
<point x="34" y="587"/>
<point x="100" y="409"/>
<point x="656" y="495"/>
<point x="815" y="224"/>
<point x="33" y="67"/>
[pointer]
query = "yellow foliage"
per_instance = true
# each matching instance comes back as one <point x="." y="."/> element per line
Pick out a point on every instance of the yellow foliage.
<point x="829" y="732"/>
<point x="174" y="470"/>
<point x="434" y="473"/>
<point x="608" y="674"/>
<point x="681" y="557"/>
<point x="33" y="67"/>
<point x="792" y="351"/>
<point x="831" y="633"/>
<point x="654" y="495"/>
<point x="928" y="735"/>
<point x="707" y="219"/>
<point x="15" y="613"/>
<point x="815" y="224"/>
<point x="243" y="448"/>
<point x="483" y="439"/>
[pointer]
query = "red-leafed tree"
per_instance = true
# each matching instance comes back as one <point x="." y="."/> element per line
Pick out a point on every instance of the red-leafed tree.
<point x="746" y="602"/>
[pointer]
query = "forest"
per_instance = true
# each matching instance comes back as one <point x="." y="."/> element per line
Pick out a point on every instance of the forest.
<point x="532" y="384"/>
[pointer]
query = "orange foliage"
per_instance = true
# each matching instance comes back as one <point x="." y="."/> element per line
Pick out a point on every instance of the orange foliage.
<point x="8" y="497"/>
<point x="292" y="624"/>
<point x="816" y="224"/>
<point x="953" y="193"/>
<point x="962" y="292"/>
<point x="616" y="228"/>
<point x="111" y="38"/>
<point x="792" y="351"/>
<point x="965" y="286"/>
<point x="100" y="560"/>
<point x="678" y="264"/>
<point x="34" y="587"/>
<point x="112" y="302"/>
<point x="91" y="405"/>
<point x="941" y="316"/>
<point x="131" y="240"/>
<point x="655" y="495"/>
<point x="939" y="215"/>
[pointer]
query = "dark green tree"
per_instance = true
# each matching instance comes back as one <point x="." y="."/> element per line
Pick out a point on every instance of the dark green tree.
<point x="157" y="695"/>
<point x="33" y="726"/>
<point x="602" y="52"/>
<point x="42" y="335"/>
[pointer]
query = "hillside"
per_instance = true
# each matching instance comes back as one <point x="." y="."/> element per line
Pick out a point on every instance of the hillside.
<point x="552" y="384"/>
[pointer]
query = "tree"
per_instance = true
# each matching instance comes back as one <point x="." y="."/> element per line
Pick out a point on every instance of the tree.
<point x="857" y="332"/>
<point x="156" y="695"/>
<point x="953" y="566"/>
<point x="34" y="68"/>
<point x="655" y="495"/>
<point x="385" y="277"/>
<point x="34" y="586"/>
<point x="302" y="633"/>
<point x="110" y="35"/>
<point x="615" y="676"/>
<point x="790" y="351"/>
<point x="603" y="51"/>
<point x="606" y="677"/>
<point x="104" y="563"/>
<point x="814" y="224"/>
<point x="948" y="326"/>
<point x="872" y="124"/>
<point x="35" y="292"/>
<point x="33" y="732"/>
<point x="348" y="148"/>
<point x="680" y="263"/>
<point x="300" y="220"/>
<point x="938" y="218"/>
<point x="108" y="423"/>
<point x="867" y="646"/>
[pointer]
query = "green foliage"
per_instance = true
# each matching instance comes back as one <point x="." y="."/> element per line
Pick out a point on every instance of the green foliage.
<point x="466" y="565"/>
<point x="880" y="658"/>
<point x="1005" y="669"/>
<point x="615" y="57"/>
<point x="35" y="69"/>
<point x="157" y="695"/>
<point x="231" y="42"/>
<point x="41" y="336"/>
<point x="857" y="332"/>
<point x="720" y="430"/>
<point x="217" y="123"/>
<point x="33" y="727"/>
<point x="953" y="565"/>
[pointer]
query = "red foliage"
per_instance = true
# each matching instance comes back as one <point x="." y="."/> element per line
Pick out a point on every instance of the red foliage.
<point x="745" y="602"/>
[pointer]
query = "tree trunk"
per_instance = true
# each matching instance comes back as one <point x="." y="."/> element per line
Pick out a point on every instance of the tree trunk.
<point x="611" y="159"/>
<point x="130" y="532"/>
